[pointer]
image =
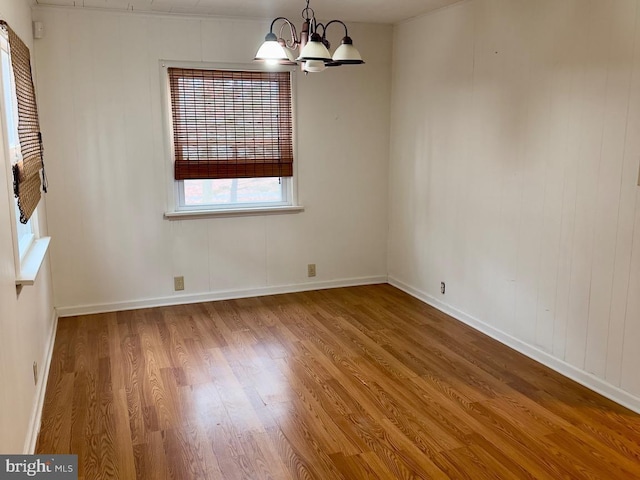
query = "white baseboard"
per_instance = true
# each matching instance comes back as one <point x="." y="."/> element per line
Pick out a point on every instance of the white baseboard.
<point x="213" y="296"/>
<point x="41" y="387"/>
<point x="584" y="378"/>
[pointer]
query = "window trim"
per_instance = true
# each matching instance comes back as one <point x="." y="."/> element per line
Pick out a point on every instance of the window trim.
<point x="174" y="208"/>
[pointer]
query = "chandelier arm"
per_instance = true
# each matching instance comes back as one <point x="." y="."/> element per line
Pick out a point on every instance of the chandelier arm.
<point x="314" y="25"/>
<point x="324" y="30"/>
<point x="276" y="19"/>
<point x="295" y="41"/>
<point x="323" y="37"/>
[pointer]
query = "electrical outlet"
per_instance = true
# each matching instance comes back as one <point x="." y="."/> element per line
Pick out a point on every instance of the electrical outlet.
<point x="35" y="373"/>
<point x="442" y="288"/>
<point x="311" y="270"/>
<point x="178" y="283"/>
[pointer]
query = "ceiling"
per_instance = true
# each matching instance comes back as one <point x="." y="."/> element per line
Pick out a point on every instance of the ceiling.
<point x="373" y="11"/>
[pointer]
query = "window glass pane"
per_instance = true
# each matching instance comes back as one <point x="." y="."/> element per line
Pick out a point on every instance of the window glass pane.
<point x="25" y="233"/>
<point x="231" y="191"/>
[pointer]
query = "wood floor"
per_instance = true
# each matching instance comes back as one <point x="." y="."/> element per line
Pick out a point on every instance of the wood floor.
<point x="355" y="383"/>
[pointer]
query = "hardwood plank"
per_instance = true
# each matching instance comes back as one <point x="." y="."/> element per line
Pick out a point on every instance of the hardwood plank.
<point x="354" y="466"/>
<point x="150" y="459"/>
<point x="352" y="383"/>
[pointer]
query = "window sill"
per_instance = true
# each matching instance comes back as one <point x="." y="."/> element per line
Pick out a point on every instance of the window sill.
<point x="232" y="212"/>
<point x="33" y="260"/>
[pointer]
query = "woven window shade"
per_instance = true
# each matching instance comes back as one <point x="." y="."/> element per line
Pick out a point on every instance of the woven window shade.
<point x="27" y="180"/>
<point x="231" y="124"/>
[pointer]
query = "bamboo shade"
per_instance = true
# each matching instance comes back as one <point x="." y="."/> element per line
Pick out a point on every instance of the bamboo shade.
<point x="27" y="180"/>
<point x="231" y="124"/>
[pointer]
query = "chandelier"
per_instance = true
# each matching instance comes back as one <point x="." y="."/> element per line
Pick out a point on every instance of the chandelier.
<point x="313" y="44"/>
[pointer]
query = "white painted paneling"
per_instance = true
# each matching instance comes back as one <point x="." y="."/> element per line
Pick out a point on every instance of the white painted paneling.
<point x="576" y="64"/>
<point x="237" y="253"/>
<point x="619" y="70"/>
<point x="593" y="86"/>
<point x="513" y="174"/>
<point x="113" y="183"/>
<point x="26" y="319"/>
<point x="627" y="223"/>
<point x="630" y="380"/>
<point x="189" y="237"/>
<point x="216" y="33"/>
<point x="559" y="189"/>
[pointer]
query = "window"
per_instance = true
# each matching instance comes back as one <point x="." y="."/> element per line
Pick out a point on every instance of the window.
<point x="21" y="140"/>
<point x="232" y="138"/>
<point x="24" y="233"/>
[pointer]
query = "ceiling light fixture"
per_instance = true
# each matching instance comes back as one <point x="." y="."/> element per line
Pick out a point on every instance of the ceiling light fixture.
<point x="314" y="47"/>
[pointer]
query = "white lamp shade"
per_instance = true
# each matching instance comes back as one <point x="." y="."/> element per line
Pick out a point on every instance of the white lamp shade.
<point x="314" y="50"/>
<point x="314" y="66"/>
<point x="272" y="50"/>
<point x="347" y="54"/>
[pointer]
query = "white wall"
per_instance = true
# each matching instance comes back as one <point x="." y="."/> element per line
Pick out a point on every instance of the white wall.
<point x="99" y="81"/>
<point x="513" y="177"/>
<point x="26" y="320"/>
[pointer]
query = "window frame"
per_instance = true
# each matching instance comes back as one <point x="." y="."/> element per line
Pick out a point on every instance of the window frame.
<point x="28" y="246"/>
<point x="23" y="234"/>
<point x="176" y="207"/>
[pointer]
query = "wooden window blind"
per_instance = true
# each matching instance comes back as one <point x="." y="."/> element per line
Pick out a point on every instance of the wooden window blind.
<point x="27" y="179"/>
<point x="231" y="124"/>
